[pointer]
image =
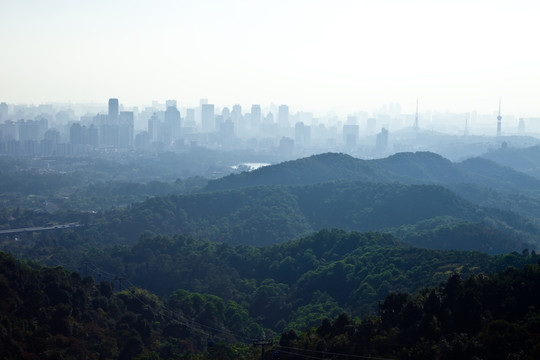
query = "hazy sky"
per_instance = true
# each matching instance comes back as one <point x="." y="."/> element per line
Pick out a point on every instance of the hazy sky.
<point x="313" y="55"/>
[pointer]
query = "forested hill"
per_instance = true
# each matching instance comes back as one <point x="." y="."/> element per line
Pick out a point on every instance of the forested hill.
<point x="493" y="317"/>
<point x="526" y="160"/>
<point x="408" y="168"/>
<point x="311" y="170"/>
<point x="50" y="313"/>
<point x="269" y="215"/>
<point x="290" y="285"/>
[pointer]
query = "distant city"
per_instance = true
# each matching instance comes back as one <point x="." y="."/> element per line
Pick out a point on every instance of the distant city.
<point x="69" y="130"/>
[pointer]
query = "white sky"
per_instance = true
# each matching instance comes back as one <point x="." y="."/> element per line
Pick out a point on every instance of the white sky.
<point x="313" y="55"/>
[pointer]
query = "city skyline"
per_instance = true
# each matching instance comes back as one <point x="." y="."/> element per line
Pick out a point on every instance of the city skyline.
<point x="316" y="56"/>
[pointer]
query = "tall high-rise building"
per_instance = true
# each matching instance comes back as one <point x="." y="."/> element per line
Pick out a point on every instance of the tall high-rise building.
<point x="370" y="125"/>
<point x="172" y="119"/>
<point x="350" y="134"/>
<point x="236" y="113"/>
<point x="382" y="140"/>
<point x="255" y="117"/>
<point x="302" y="134"/>
<point x="226" y="113"/>
<point x="153" y="126"/>
<point x="207" y="118"/>
<point x="286" y="146"/>
<point x="189" y="121"/>
<point x="77" y="134"/>
<point x="93" y="135"/>
<point x="29" y="130"/>
<point x="170" y="103"/>
<point x="113" y="109"/>
<point x="237" y="118"/>
<point x="3" y="111"/>
<point x="125" y="129"/>
<point x="283" y="116"/>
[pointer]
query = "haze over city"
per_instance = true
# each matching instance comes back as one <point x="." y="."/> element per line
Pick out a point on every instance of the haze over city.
<point x="244" y="180"/>
<point x="317" y="56"/>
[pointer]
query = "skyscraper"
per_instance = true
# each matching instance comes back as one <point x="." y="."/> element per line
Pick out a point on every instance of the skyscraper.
<point x="350" y="134"/>
<point x="382" y="140"/>
<point x="113" y="109"/>
<point x="283" y="116"/>
<point x="172" y="119"/>
<point x="125" y="129"/>
<point x="237" y="118"/>
<point x="207" y="118"/>
<point x="302" y="134"/>
<point x="3" y="111"/>
<point x="255" y="117"/>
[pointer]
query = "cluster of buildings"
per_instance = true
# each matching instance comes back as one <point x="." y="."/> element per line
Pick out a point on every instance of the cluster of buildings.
<point x="35" y="137"/>
<point x="163" y="128"/>
<point x="43" y="131"/>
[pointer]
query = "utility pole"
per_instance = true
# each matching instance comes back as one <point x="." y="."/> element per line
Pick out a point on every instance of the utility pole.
<point x="262" y="343"/>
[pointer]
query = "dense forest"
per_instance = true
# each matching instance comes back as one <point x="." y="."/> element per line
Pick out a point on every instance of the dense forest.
<point x="49" y="313"/>
<point x="407" y="168"/>
<point x="68" y="186"/>
<point x="289" y="285"/>
<point x="274" y="214"/>
<point x="478" y="317"/>
<point x="478" y="180"/>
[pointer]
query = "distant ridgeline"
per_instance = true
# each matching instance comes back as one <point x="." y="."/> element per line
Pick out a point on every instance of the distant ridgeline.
<point x="265" y="215"/>
<point x="422" y="198"/>
<point x="407" y="168"/>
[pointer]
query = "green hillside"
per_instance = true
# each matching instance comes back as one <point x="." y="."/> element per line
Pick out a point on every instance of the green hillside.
<point x="269" y="215"/>
<point x="526" y="160"/>
<point x="408" y="168"/>
<point x="49" y="313"/>
<point x="286" y="285"/>
<point x="478" y="317"/>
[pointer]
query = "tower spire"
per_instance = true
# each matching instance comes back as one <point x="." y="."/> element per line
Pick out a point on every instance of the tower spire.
<point x="499" y="118"/>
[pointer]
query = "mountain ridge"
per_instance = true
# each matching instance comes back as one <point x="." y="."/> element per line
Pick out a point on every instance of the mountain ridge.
<point x="405" y="167"/>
